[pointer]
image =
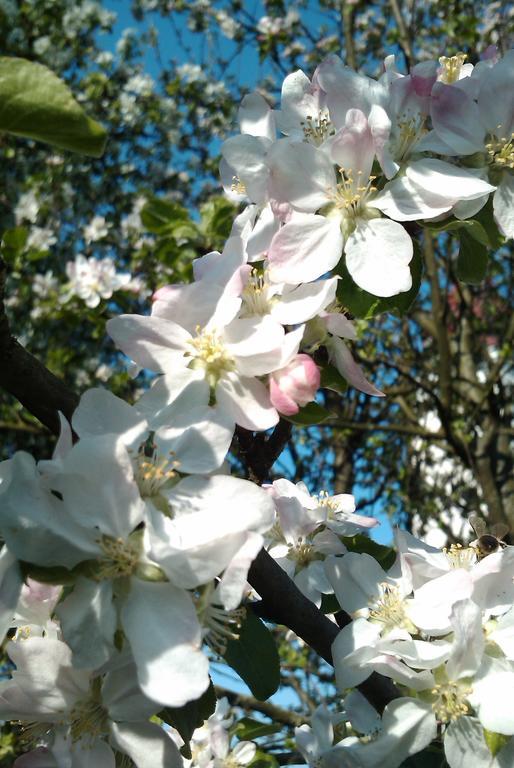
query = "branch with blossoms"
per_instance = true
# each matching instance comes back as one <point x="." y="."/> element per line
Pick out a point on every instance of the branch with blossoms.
<point x="133" y="557"/>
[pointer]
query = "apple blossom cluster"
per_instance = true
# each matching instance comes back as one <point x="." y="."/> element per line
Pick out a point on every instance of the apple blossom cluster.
<point x="440" y="624"/>
<point x="347" y="163"/>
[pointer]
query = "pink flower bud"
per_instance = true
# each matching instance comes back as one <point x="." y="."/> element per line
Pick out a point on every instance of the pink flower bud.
<point x="295" y="385"/>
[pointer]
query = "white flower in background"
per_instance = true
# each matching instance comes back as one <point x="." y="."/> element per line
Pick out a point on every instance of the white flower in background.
<point x="27" y="207"/>
<point x="140" y="84"/>
<point x="41" y="238"/>
<point x="96" y="230"/>
<point x="44" y="285"/>
<point x="93" y="279"/>
<point x="191" y="73"/>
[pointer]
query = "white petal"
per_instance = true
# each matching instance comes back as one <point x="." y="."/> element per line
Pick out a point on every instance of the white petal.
<point x="356" y="579"/>
<point x="147" y="744"/>
<point x="299" y="304"/>
<point x="378" y="254"/>
<point x="11" y="582"/>
<point x="305" y="248"/>
<point x="465" y="746"/>
<point x="351" y="650"/>
<point x="152" y="342"/>
<point x="255" y="342"/>
<point x="468" y="645"/>
<point x="247" y="156"/>
<point x="446" y="180"/>
<point x="246" y="401"/>
<point x="363" y="717"/>
<point x="256" y="117"/>
<point x="165" y="637"/>
<point x="503" y="205"/>
<point x="301" y="175"/>
<point x="99" y="412"/>
<point x="402" y="200"/>
<point x="266" y="226"/>
<point x="88" y="621"/>
<point x="233" y="581"/>
<point x="199" y="438"/>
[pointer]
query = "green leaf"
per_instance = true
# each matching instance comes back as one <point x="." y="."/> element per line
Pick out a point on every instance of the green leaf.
<point x="310" y="414"/>
<point x="264" y="760"/>
<point x="13" y="243"/>
<point x="385" y="556"/>
<point x="254" y="657"/>
<point x="217" y="217"/>
<point x="472" y="259"/>
<point x="159" y="215"/>
<point x="48" y="575"/>
<point x="247" y="729"/>
<point x="191" y="716"/>
<point x="332" y="379"/>
<point x="495" y="741"/>
<point x="36" y="104"/>
<point x="486" y="218"/>
<point x="363" y="304"/>
<point x="472" y="227"/>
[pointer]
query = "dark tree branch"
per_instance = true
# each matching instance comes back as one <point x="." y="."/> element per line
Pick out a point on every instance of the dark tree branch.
<point x="24" y="377"/>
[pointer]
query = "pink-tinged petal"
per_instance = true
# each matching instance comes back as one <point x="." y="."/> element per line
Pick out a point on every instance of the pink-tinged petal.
<point x="339" y="325"/>
<point x="346" y="89"/>
<point x="281" y="400"/>
<point x="65" y="440"/>
<point x="256" y="117"/>
<point x="353" y="147"/>
<point x="37" y="758"/>
<point x="305" y="248"/>
<point x="295" y="385"/>
<point x="301" y="303"/>
<point x="423" y="77"/>
<point x="152" y="342"/>
<point x="457" y="119"/>
<point x="446" y="181"/>
<point x="246" y="401"/>
<point x="300" y="174"/>
<point x="503" y="205"/>
<point x="495" y="96"/>
<point x="380" y="126"/>
<point x="349" y="369"/>
<point x="378" y="254"/>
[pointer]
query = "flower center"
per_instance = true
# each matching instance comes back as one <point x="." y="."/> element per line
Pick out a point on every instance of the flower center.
<point x="351" y="194"/>
<point x="460" y="557"/>
<point x="389" y="609"/>
<point x="209" y="352"/>
<point x="302" y="553"/>
<point x="316" y="129"/>
<point x="153" y="471"/>
<point x="256" y="295"/>
<point x="219" y="625"/>
<point x="501" y="152"/>
<point x="450" y="701"/>
<point x="121" y="558"/>
<point x="410" y="129"/>
<point x="237" y="186"/>
<point x="327" y="502"/>
<point x="451" y="67"/>
<point x="88" y="720"/>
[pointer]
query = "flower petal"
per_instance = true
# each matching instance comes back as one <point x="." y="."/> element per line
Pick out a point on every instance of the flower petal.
<point x="378" y="254"/>
<point x="305" y="248"/>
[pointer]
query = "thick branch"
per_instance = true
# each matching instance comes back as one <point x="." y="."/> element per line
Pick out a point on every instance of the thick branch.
<point x="24" y="377"/>
<point x="283" y="603"/>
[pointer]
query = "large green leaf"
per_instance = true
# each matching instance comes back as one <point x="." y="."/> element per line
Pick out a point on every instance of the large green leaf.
<point x="36" y="104"/>
<point x="472" y="259"/>
<point x="191" y="716"/>
<point x="310" y="414"/>
<point x="254" y="657"/>
<point x="363" y="304"/>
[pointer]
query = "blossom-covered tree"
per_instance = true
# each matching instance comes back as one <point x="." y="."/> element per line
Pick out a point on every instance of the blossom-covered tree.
<point x="135" y="559"/>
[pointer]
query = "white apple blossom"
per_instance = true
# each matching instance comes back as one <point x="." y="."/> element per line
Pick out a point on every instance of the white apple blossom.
<point x="93" y="279"/>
